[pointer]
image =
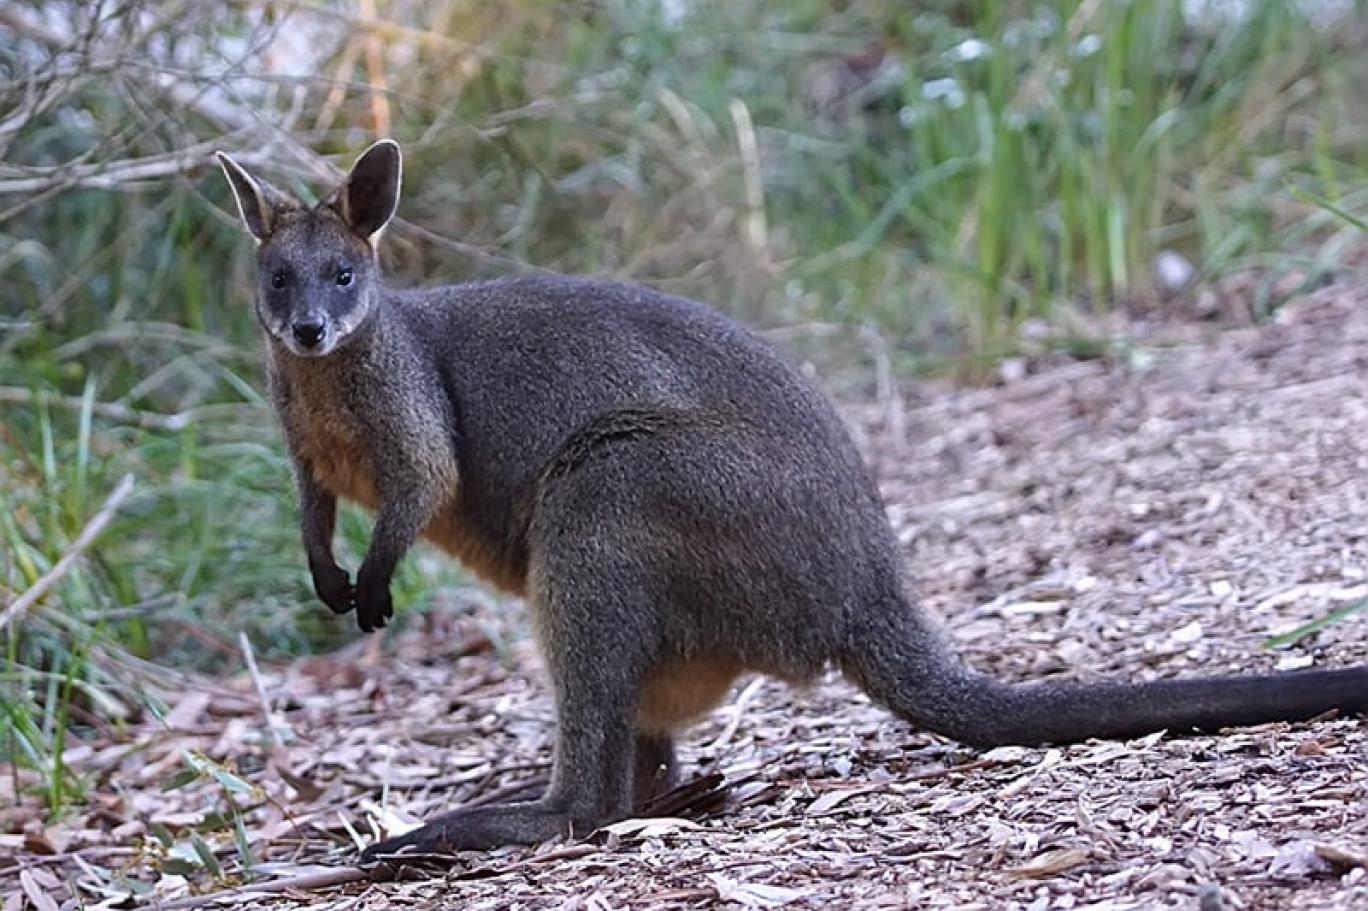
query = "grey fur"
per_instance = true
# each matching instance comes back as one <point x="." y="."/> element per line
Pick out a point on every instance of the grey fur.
<point x="676" y="502"/>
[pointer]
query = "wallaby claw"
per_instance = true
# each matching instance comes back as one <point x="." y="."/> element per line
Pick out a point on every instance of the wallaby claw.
<point x="374" y="606"/>
<point x="334" y="588"/>
<point x="342" y="603"/>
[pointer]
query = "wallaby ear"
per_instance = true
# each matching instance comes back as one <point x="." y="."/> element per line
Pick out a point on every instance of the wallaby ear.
<point x="256" y="201"/>
<point x="369" y="196"/>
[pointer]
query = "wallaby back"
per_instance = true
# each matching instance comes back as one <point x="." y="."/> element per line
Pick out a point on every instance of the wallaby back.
<point x="677" y="503"/>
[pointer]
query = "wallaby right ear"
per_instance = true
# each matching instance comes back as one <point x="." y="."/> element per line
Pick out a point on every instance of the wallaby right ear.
<point x="369" y="196"/>
<point x="256" y="201"/>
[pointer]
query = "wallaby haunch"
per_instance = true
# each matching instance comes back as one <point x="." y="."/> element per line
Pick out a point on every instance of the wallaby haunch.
<point x="677" y="504"/>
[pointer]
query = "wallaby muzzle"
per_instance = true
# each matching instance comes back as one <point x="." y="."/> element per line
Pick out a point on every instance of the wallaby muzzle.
<point x="309" y="330"/>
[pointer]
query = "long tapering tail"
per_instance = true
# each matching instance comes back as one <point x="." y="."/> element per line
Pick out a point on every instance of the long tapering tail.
<point x="905" y="667"/>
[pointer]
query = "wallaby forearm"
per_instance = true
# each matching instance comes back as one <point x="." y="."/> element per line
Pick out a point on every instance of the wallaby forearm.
<point x="407" y="501"/>
<point x="318" y="519"/>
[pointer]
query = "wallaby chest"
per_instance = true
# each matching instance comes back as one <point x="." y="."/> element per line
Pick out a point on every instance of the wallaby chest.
<point x="330" y="432"/>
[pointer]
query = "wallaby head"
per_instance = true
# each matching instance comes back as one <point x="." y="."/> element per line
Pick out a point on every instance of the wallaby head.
<point x="318" y="277"/>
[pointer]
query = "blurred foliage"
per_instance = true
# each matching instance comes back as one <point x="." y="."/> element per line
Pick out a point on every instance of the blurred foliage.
<point x="947" y="175"/>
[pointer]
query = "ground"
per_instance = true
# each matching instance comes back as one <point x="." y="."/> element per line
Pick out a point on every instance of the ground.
<point x="1161" y="511"/>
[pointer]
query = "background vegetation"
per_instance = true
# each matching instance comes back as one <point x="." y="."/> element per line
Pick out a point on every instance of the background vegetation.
<point x="957" y="180"/>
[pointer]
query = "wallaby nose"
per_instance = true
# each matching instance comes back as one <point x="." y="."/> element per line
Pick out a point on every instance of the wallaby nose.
<point x="308" y="330"/>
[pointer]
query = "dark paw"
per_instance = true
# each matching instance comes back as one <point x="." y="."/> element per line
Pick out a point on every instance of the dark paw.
<point x="334" y="588"/>
<point x="373" y="604"/>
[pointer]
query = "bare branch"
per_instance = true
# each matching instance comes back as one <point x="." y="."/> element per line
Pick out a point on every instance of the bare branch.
<point x="63" y="566"/>
<point x="112" y="175"/>
<point x="116" y="411"/>
<point x="309" y="882"/>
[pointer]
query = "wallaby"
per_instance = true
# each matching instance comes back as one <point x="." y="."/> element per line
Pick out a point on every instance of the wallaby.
<point x="676" y="503"/>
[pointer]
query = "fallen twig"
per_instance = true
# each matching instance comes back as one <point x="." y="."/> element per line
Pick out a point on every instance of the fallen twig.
<point x="307" y="882"/>
<point x="953" y="770"/>
<point x="735" y="712"/>
<point x="280" y="730"/>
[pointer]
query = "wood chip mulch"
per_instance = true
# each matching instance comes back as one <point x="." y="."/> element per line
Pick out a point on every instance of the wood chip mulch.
<point x="1162" y="512"/>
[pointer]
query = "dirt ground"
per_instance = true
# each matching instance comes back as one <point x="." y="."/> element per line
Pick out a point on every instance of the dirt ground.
<point x="1161" y="512"/>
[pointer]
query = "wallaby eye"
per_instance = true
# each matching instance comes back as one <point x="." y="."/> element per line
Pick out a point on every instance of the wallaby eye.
<point x="344" y="277"/>
<point x="278" y="280"/>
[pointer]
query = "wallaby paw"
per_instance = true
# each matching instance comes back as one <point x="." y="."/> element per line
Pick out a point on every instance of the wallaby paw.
<point x="343" y="602"/>
<point x="373" y="605"/>
<point x="334" y="588"/>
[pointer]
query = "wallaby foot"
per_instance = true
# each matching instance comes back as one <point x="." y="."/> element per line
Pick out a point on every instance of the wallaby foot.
<point x="656" y="770"/>
<point x="478" y="828"/>
<point x="481" y="828"/>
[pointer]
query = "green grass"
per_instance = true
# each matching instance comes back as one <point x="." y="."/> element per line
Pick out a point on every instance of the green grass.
<point x="1011" y="163"/>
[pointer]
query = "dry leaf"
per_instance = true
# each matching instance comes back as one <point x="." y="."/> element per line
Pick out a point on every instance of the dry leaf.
<point x="753" y="895"/>
<point x="650" y="827"/>
<point x="188" y="710"/>
<point x="1297" y="860"/>
<point x="832" y="799"/>
<point x="46" y="842"/>
<point x="1051" y="863"/>
<point x="1342" y="857"/>
<point x="40" y="895"/>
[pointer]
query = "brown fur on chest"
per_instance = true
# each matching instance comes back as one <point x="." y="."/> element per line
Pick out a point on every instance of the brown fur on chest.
<point x="329" y="440"/>
<point x="338" y="458"/>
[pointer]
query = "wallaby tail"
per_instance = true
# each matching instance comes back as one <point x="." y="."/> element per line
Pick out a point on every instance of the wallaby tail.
<point x="906" y="668"/>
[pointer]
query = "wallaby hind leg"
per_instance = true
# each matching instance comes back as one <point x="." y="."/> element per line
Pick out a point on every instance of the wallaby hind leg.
<point x="595" y="662"/>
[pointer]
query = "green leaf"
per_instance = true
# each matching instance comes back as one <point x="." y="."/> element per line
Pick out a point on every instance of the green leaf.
<point x="1306" y="629"/>
<point x="206" y="856"/>
<point x="212" y="822"/>
<point x="162" y="834"/>
<point x="244" y="845"/>
<point x="1319" y="200"/>
<point x="231" y="782"/>
<point x="179" y="867"/>
<point x="180" y="779"/>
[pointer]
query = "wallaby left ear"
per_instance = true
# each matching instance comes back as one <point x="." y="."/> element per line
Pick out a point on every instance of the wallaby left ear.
<point x="369" y="196"/>
<point x="258" y="203"/>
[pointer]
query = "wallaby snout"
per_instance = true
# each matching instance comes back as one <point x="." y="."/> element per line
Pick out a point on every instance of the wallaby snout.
<point x="309" y="330"/>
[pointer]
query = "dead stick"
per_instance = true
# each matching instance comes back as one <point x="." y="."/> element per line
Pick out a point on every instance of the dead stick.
<point x="307" y="882"/>
<point x="117" y="411"/>
<point x="952" y="770"/>
<point x="280" y="731"/>
<point x="61" y="567"/>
